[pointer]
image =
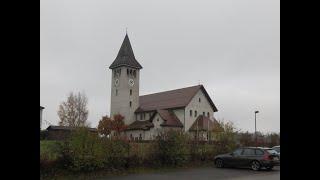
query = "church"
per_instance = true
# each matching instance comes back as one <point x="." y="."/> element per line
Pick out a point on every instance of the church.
<point x="189" y="109"/>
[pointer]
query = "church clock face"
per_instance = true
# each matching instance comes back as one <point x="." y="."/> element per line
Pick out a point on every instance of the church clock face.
<point x="116" y="82"/>
<point x="131" y="82"/>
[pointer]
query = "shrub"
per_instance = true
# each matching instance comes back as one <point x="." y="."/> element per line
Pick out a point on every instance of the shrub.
<point x="170" y="148"/>
<point x="84" y="151"/>
<point x="225" y="138"/>
<point x="50" y="150"/>
<point x="202" y="151"/>
<point x="116" y="153"/>
<point x="141" y="154"/>
<point x="43" y="134"/>
<point x="50" y="158"/>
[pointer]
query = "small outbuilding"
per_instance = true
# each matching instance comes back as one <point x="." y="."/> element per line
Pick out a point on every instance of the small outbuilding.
<point x="62" y="132"/>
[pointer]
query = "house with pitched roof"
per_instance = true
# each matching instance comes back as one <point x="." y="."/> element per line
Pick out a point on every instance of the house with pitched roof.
<point x="189" y="109"/>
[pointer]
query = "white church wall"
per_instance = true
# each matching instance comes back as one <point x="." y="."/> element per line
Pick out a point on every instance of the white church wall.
<point x="157" y="120"/>
<point x="135" y="134"/>
<point x="200" y="107"/>
<point x="180" y="113"/>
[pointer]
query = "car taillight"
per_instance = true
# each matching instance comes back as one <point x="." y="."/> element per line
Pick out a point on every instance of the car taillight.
<point x="267" y="156"/>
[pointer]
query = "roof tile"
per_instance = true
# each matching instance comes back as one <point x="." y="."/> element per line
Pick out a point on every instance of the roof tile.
<point x="177" y="98"/>
<point x="170" y="119"/>
<point x="125" y="56"/>
<point x="203" y="122"/>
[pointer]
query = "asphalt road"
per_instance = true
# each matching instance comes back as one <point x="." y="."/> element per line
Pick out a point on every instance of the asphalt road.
<point x="211" y="173"/>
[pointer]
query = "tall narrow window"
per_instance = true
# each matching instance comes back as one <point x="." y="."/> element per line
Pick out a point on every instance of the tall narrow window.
<point x="144" y="116"/>
<point x="190" y="112"/>
<point x="203" y="113"/>
<point x="130" y="92"/>
<point x="195" y="113"/>
<point x="140" y="116"/>
<point x="199" y="99"/>
<point x="208" y="114"/>
<point x="130" y="103"/>
<point x="116" y="92"/>
<point x="127" y="71"/>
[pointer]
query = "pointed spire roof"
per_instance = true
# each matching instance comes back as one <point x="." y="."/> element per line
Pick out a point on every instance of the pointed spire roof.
<point x="125" y="56"/>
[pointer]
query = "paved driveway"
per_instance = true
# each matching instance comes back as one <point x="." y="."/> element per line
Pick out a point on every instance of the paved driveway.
<point x="211" y="173"/>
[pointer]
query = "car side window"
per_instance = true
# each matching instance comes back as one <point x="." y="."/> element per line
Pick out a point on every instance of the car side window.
<point x="237" y="152"/>
<point x="248" y="152"/>
<point x="259" y="152"/>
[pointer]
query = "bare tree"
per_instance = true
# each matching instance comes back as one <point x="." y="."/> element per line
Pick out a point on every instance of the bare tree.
<point x="246" y="139"/>
<point x="74" y="111"/>
<point x="225" y="135"/>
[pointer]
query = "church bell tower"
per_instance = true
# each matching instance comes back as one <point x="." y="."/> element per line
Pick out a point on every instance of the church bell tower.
<point x="125" y="83"/>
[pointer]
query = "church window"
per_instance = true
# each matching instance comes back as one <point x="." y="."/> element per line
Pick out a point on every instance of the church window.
<point x="116" y="92"/>
<point x="158" y="119"/>
<point x="134" y="73"/>
<point x="130" y="92"/>
<point x="140" y="136"/>
<point x="127" y="71"/>
<point x="130" y="72"/>
<point x="195" y="113"/>
<point x="190" y="112"/>
<point x="130" y="103"/>
<point x="208" y="114"/>
<point x="203" y="113"/>
<point x="199" y="99"/>
<point x="141" y="116"/>
<point x="144" y="116"/>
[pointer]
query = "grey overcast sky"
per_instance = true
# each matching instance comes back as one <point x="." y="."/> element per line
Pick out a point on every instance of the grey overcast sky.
<point x="232" y="47"/>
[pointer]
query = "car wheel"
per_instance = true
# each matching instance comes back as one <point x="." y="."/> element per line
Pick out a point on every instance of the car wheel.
<point x="219" y="163"/>
<point x="255" y="165"/>
<point x="269" y="168"/>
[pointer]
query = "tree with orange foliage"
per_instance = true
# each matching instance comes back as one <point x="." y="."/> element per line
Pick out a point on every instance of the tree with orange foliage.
<point x="118" y="124"/>
<point x="105" y="126"/>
